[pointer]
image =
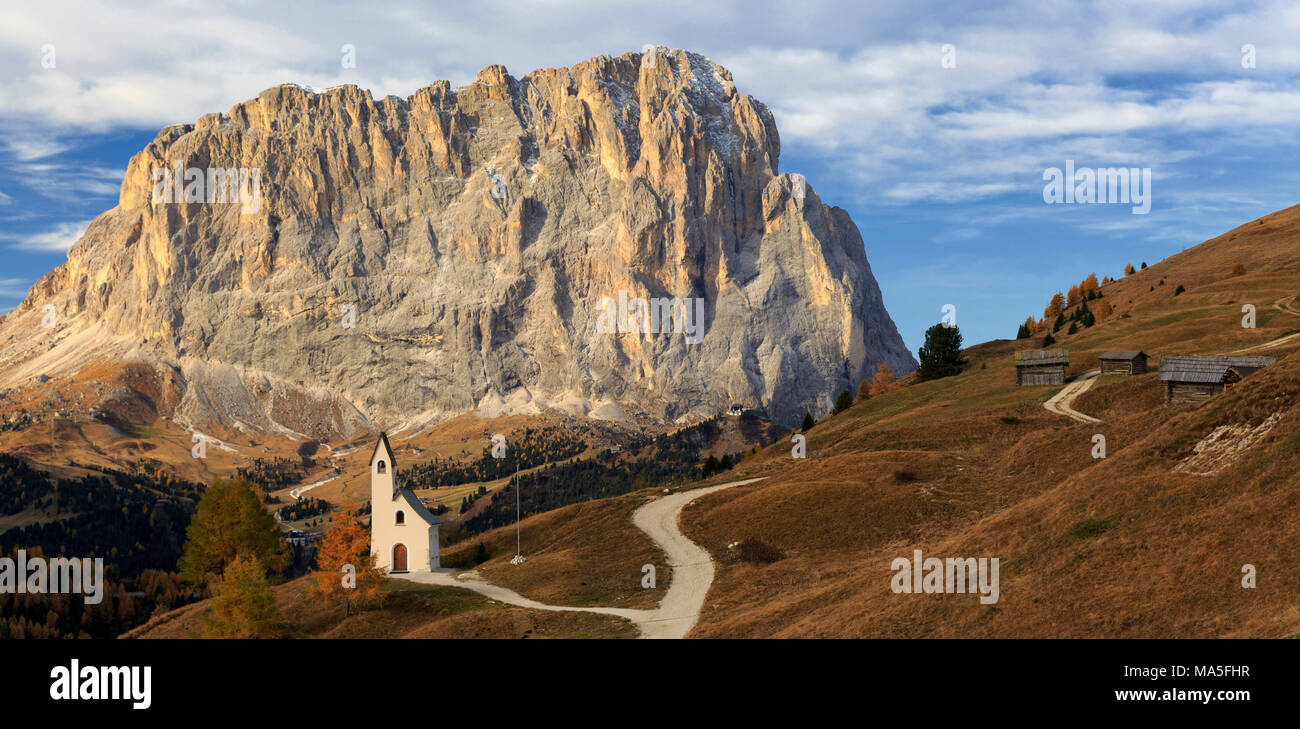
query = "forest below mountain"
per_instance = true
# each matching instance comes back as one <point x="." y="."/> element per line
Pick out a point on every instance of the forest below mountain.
<point x="661" y="460"/>
<point x="534" y="447"/>
<point x="134" y="520"/>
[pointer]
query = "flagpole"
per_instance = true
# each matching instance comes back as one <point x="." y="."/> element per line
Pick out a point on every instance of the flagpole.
<point x="518" y="548"/>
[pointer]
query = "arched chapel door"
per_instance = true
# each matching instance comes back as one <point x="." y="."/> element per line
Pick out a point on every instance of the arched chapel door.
<point x="399" y="558"/>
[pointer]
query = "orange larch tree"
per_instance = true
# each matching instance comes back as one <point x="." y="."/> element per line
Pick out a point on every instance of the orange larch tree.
<point x="346" y="542"/>
<point x="883" y="381"/>
<point x="1090" y="285"/>
<point x="1054" y="307"/>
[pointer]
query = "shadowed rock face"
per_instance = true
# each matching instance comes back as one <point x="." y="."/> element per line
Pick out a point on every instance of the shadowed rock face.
<point x="475" y="231"/>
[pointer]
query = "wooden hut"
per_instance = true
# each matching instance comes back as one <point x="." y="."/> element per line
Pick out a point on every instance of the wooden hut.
<point x="1041" y="367"/>
<point x="1123" y="362"/>
<point x="1193" y="378"/>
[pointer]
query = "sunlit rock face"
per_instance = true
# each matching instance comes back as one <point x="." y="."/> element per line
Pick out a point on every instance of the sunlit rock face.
<point x="393" y="262"/>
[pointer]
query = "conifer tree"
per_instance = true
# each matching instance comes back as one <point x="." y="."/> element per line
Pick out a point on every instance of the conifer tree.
<point x="230" y="521"/>
<point x="884" y="380"/>
<point x="243" y="606"/>
<point x="346" y="543"/>
<point x="843" y="402"/>
<point x="940" y="355"/>
<point x="1055" y="306"/>
<point x="864" y="390"/>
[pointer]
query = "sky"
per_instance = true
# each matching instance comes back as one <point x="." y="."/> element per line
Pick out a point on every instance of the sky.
<point x="932" y="123"/>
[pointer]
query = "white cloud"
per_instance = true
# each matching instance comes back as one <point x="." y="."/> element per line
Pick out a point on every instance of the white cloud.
<point x="59" y="238"/>
<point x="27" y="148"/>
<point x="61" y="180"/>
<point x="858" y="85"/>
<point x="11" y="288"/>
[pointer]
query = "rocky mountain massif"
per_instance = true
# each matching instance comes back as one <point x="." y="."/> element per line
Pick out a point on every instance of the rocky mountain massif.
<point x="404" y="260"/>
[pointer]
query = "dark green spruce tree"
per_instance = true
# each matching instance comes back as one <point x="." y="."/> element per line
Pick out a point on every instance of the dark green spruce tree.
<point x="941" y="354"/>
<point x="843" y="402"/>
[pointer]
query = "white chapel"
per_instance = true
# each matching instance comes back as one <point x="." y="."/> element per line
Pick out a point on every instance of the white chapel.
<point x="403" y="533"/>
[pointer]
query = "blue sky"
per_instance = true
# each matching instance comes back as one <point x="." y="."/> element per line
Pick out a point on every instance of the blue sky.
<point x="941" y="168"/>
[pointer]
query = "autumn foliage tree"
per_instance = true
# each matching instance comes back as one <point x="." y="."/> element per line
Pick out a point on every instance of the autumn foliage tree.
<point x="230" y="521"/>
<point x="346" y="544"/>
<point x="1128" y="269"/>
<point x="1089" y="286"/>
<point x="883" y="381"/>
<point x="1055" y="306"/>
<point x="864" y="390"/>
<point x="243" y="606"/>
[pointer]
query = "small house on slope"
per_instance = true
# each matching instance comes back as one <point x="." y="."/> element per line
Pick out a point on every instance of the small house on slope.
<point x="1041" y="367"/>
<point x="1193" y="378"/>
<point x="1123" y="362"/>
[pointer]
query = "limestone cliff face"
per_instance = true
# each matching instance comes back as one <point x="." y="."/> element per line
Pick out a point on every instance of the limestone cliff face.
<point x="475" y="230"/>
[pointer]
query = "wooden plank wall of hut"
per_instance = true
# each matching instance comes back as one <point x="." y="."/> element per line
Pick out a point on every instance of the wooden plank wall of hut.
<point x="1115" y="367"/>
<point x="1192" y="391"/>
<point x="1045" y="375"/>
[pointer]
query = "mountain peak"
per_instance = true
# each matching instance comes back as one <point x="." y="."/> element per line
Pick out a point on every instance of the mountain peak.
<point x="401" y="261"/>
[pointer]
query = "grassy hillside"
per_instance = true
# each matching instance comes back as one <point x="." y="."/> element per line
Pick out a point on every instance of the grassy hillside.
<point x="972" y="466"/>
<point x="408" y="610"/>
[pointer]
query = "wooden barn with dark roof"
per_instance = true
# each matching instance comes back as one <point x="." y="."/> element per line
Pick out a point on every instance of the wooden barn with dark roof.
<point x="1041" y="367"/>
<point x="1123" y="362"/>
<point x="1193" y="378"/>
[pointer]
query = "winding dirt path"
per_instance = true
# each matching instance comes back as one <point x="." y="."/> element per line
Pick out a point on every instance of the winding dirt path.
<point x="298" y="492"/>
<point x="1285" y="304"/>
<point x="692" y="572"/>
<point x="1061" y="401"/>
<point x="1288" y="339"/>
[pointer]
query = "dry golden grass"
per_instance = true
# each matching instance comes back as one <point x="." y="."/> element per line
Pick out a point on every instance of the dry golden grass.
<point x="408" y="610"/>
<point x="998" y="476"/>
<point x="587" y="554"/>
